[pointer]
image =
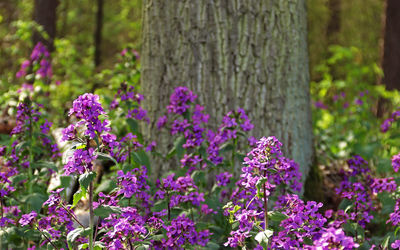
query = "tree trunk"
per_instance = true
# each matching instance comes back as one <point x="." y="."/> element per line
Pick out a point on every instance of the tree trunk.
<point x="250" y="54"/>
<point x="391" y="53"/>
<point x="98" y="31"/>
<point x="334" y="21"/>
<point x="45" y="14"/>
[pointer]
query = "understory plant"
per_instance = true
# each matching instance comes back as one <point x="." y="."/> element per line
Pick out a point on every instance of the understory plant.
<point x="102" y="185"/>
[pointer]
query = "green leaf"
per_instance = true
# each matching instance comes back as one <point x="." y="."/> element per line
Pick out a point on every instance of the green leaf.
<point x="74" y="234"/>
<point x="106" y="156"/>
<point x="157" y="237"/>
<point x="86" y="178"/>
<point x="141" y="158"/>
<point x="133" y="125"/>
<point x="178" y="146"/>
<point x="66" y="181"/>
<point x="212" y="245"/>
<point x="385" y="242"/>
<point x="45" y="164"/>
<point x="36" y="201"/>
<point x="276" y="216"/>
<point x="78" y="196"/>
<point x="105" y="210"/>
<point x="260" y="183"/>
<point x="105" y="186"/>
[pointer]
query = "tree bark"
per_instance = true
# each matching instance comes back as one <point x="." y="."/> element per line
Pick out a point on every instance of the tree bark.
<point x="250" y="54"/>
<point x="334" y="21"/>
<point x="98" y="32"/>
<point x="391" y="53"/>
<point x="45" y="14"/>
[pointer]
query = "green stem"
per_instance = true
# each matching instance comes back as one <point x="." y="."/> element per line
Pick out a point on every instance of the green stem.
<point x="91" y="216"/>
<point x="265" y="203"/>
<point x="234" y="153"/>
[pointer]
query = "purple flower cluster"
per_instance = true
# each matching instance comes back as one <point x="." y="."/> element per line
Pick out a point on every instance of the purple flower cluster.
<point x="181" y="232"/>
<point x="232" y="122"/>
<point x="126" y="94"/>
<point x="396" y="162"/>
<point x="395" y="216"/>
<point x="360" y="187"/>
<point x="39" y="61"/>
<point x="123" y="229"/>
<point x="134" y="183"/>
<point x="179" y="101"/>
<point x="223" y="178"/>
<point x="335" y="238"/>
<point x="80" y="162"/>
<point x="59" y="216"/>
<point x="246" y="218"/>
<point x="88" y="109"/>
<point x="388" y="122"/>
<point x="266" y="162"/>
<point x="181" y="190"/>
<point x="27" y="218"/>
<point x="27" y="114"/>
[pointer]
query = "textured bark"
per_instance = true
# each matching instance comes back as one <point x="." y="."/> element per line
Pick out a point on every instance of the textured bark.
<point x="45" y="15"/>
<point x="391" y="53"/>
<point x="250" y="54"/>
<point x="97" y="33"/>
<point x="334" y="21"/>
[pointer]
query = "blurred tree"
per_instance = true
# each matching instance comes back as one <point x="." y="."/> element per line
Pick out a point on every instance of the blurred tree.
<point x="391" y="51"/>
<point x="334" y="21"/>
<point x="355" y="23"/>
<point x="250" y="54"/>
<point x="45" y="14"/>
<point x="98" y="33"/>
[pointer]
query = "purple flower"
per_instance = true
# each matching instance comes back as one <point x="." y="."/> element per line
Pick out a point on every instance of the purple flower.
<point x="88" y="108"/>
<point x="45" y="127"/>
<point x="161" y="121"/>
<point x="80" y="162"/>
<point x="332" y="237"/>
<point x="320" y="105"/>
<point x="179" y="100"/>
<point x="27" y="218"/>
<point x="396" y="244"/>
<point x="396" y="162"/>
<point x="223" y="178"/>
<point x="151" y="146"/>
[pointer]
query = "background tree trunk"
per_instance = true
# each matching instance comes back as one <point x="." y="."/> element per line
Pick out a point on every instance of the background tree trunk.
<point x="391" y="53"/>
<point x="45" y="14"/>
<point x="98" y="31"/>
<point x="250" y="54"/>
<point x="334" y="21"/>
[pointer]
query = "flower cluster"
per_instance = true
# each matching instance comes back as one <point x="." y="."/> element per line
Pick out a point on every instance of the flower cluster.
<point x="395" y="216"/>
<point x="396" y="162"/>
<point x="335" y="238"/>
<point x="360" y="187"/>
<point x="180" y="100"/>
<point x="124" y="229"/>
<point x="127" y="95"/>
<point x="181" y="190"/>
<point x="59" y="216"/>
<point x="39" y="62"/>
<point x="303" y="222"/>
<point x="232" y="122"/>
<point x="388" y="122"/>
<point x="88" y="109"/>
<point x="181" y="232"/>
